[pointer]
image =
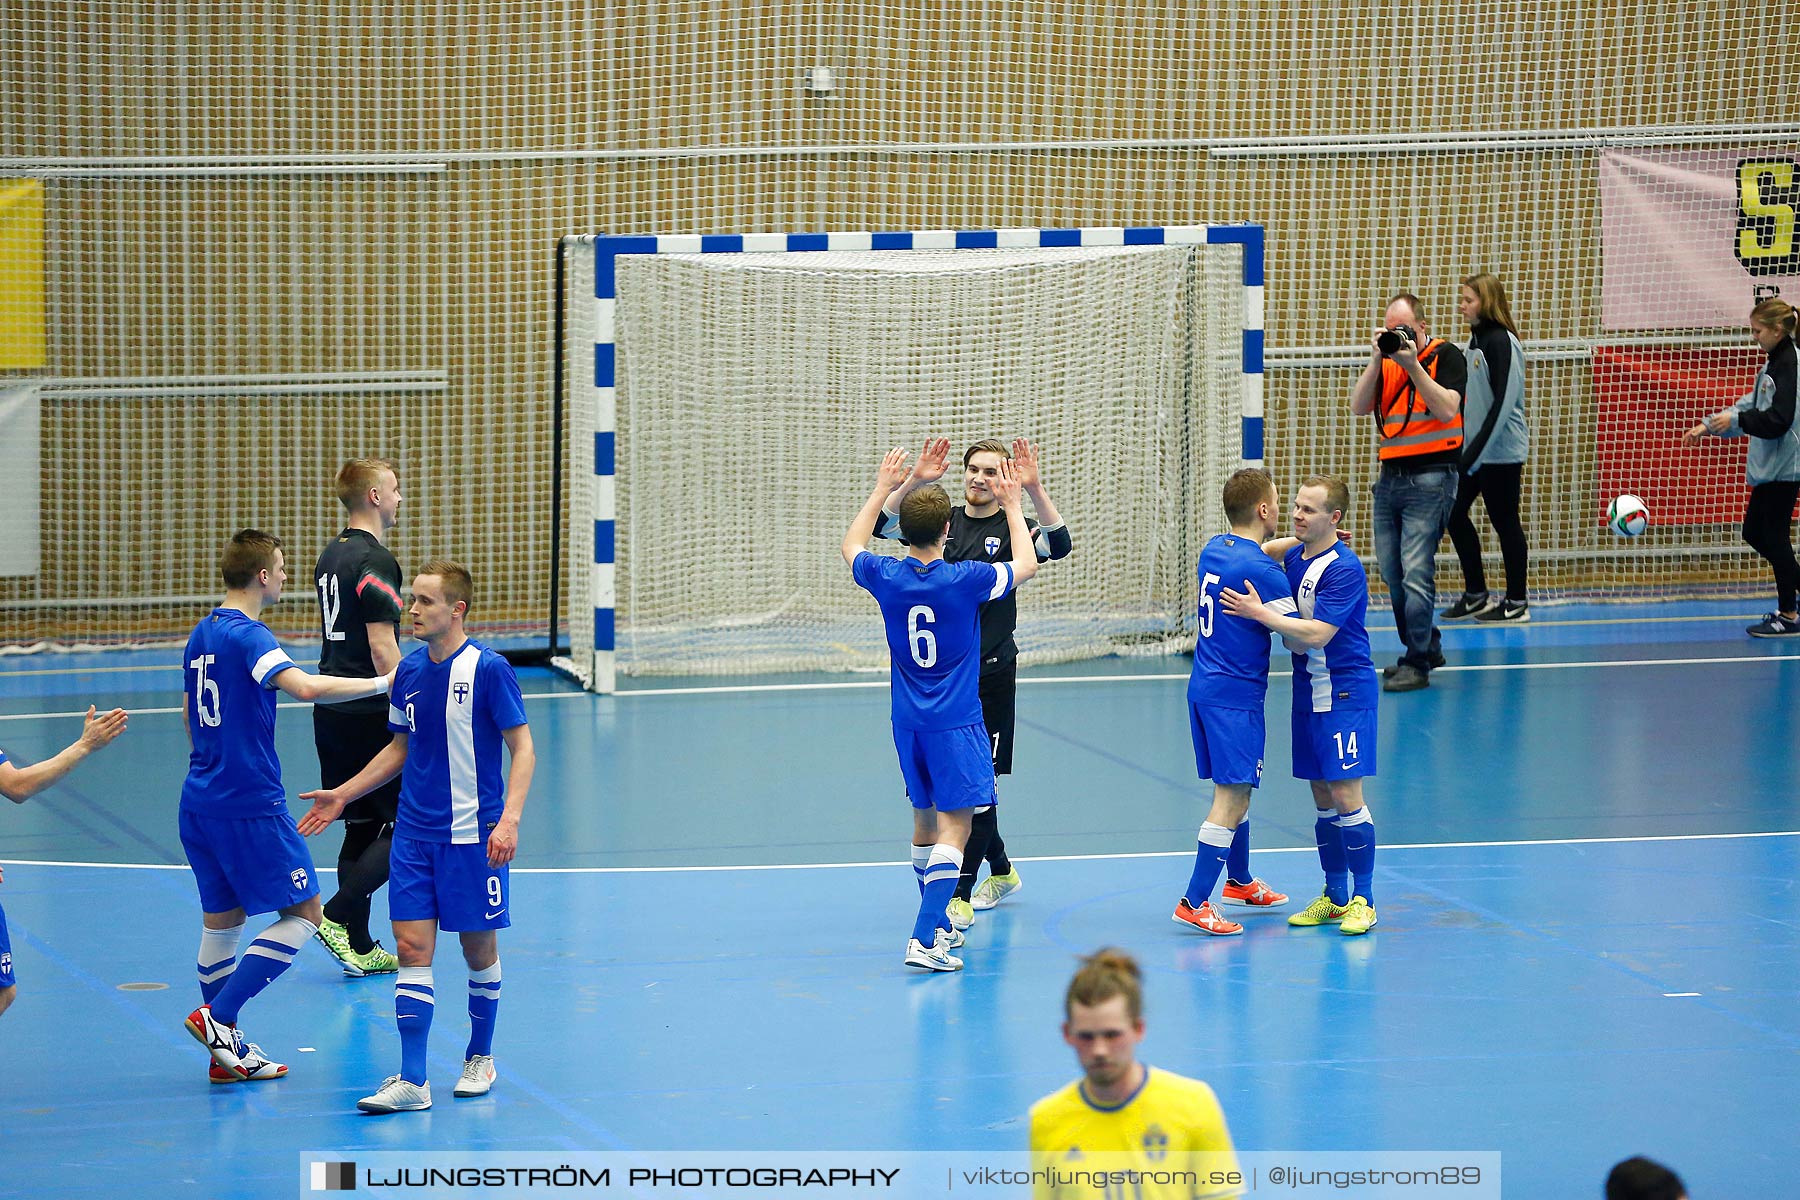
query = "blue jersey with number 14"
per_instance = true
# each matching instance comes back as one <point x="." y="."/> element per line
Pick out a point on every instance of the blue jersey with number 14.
<point x="1231" y="654"/>
<point x="933" y="616"/>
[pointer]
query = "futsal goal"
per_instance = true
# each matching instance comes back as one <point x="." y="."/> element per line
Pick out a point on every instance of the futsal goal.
<point x="729" y="397"/>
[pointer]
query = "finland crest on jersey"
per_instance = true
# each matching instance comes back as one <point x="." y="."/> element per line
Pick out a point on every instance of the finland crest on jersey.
<point x="993" y="546"/>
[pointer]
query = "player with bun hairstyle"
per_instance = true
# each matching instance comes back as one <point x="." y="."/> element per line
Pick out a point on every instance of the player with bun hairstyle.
<point x="1121" y="1107"/>
<point x="1773" y="468"/>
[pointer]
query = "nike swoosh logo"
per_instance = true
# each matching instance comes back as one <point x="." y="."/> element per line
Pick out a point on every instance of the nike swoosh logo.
<point x="495" y="913"/>
<point x="410" y="695"/>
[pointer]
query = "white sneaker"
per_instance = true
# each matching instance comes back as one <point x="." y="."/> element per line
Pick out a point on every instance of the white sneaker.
<point x="397" y="1095"/>
<point x="951" y="938"/>
<point x="221" y="1040"/>
<point x="255" y="1066"/>
<point x="935" y="957"/>
<point x="477" y="1077"/>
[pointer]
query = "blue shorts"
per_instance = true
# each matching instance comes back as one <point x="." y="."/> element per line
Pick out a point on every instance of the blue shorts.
<point x="1334" y="745"/>
<point x="258" y="864"/>
<point x="1228" y="743"/>
<point x="946" y="769"/>
<point x="6" y="971"/>
<point x="450" y="884"/>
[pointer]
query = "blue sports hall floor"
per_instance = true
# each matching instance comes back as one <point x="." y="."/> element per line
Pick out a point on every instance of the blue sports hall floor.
<point x="1589" y="943"/>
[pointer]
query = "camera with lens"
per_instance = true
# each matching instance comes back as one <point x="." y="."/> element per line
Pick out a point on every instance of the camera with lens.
<point x="1400" y="337"/>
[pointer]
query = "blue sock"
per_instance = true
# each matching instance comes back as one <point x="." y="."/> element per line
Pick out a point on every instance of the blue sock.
<point x="413" y="1005"/>
<point x="940" y="884"/>
<point x="1237" y="863"/>
<point x="216" y="960"/>
<point x="921" y="859"/>
<point x="1331" y="857"/>
<point x="262" y="964"/>
<point x="1209" y="860"/>
<point x="484" y="1006"/>
<point x="1359" y="850"/>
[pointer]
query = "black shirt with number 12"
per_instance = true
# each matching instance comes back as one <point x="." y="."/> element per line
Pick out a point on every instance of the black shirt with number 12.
<point x="357" y="583"/>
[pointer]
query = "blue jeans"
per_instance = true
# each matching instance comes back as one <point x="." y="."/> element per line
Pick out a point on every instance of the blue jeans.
<point x="1411" y="512"/>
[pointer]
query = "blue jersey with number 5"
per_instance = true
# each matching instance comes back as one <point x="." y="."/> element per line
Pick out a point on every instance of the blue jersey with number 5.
<point x="228" y="687"/>
<point x="933" y="616"/>
<point x="1231" y="654"/>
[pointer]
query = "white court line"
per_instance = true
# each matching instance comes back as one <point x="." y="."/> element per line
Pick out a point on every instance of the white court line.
<point x="1656" y="837"/>
<point x="881" y="683"/>
<point x="1537" y="623"/>
<point x="731" y="689"/>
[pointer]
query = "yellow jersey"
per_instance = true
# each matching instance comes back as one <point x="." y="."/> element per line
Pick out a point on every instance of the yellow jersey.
<point x="1167" y="1141"/>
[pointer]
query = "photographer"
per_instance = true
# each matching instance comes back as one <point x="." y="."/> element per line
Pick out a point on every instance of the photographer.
<point x="1414" y="385"/>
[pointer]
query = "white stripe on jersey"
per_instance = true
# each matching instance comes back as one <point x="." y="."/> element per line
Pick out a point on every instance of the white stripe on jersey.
<point x="268" y="662"/>
<point x="459" y="748"/>
<point x="1281" y="606"/>
<point x="1317" y="668"/>
<point x="1002" y="580"/>
<point x="397" y="716"/>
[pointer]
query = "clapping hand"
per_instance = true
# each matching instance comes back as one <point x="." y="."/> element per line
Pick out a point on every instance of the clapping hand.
<point x="1025" y="463"/>
<point x="893" y="468"/>
<point x="934" y="460"/>
<point x="1005" y="485"/>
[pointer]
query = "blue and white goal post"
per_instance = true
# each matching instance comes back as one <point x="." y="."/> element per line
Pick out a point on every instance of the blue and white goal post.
<point x="592" y="378"/>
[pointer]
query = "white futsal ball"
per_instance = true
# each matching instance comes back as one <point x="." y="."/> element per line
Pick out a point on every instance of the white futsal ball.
<point x="1627" y="516"/>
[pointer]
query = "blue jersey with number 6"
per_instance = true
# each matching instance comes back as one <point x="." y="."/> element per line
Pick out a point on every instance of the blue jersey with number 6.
<point x="933" y="616"/>
<point x="1231" y="654"/>
<point x="228" y="689"/>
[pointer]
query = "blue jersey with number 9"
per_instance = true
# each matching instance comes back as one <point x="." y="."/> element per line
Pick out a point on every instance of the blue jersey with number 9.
<point x="932" y="612"/>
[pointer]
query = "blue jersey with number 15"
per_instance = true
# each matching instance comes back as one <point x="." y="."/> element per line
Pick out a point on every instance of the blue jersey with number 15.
<point x="1231" y="654"/>
<point x="228" y="687"/>
<point x="933" y="616"/>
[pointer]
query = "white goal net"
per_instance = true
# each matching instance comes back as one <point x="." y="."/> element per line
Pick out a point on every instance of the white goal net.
<point x="755" y="393"/>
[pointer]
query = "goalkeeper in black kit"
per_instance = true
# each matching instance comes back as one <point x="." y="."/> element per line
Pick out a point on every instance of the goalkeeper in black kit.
<point x="978" y="531"/>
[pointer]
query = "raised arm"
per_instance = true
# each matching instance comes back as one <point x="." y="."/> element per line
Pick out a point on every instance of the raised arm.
<point x="1007" y="490"/>
<point x="1053" y="539"/>
<point x="19" y="784"/>
<point x="934" y="460"/>
<point x="862" y="528"/>
<point x="1442" y="402"/>
<point x="1367" y="390"/>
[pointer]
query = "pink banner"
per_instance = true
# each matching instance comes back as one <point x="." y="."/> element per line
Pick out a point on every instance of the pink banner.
<point x="1692" y="239"/>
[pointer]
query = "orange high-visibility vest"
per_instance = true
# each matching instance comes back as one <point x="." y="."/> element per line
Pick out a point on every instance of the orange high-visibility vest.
<point x="1407" y="427"/>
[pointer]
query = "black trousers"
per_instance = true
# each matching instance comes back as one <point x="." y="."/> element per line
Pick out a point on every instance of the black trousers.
<point x="1766" y="527"/>
<point x="1500" y="485"/>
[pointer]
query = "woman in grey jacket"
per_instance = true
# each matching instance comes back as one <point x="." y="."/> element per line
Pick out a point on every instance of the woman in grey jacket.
<point x="1495" y="442"/>
<point x="1767" y="416"/>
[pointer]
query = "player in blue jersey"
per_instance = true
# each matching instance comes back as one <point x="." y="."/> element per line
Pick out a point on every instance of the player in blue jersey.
<point x="20" y="784"/>
<point x="455" y="703"/>
<point x="235" y="826"/>
<point x="932" y="612"/>
<point x="1335" y="696"/>
<point x="1225" y="702"/>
